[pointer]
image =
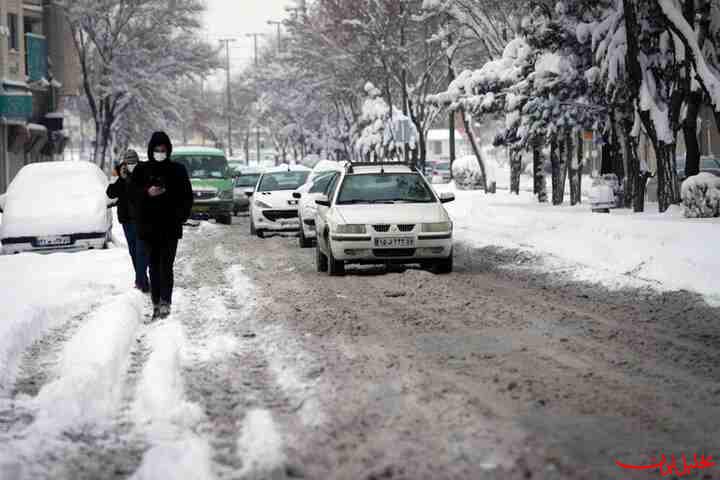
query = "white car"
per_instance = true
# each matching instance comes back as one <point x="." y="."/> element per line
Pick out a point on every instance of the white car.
<point x="383" y="213"/>
<point x="272" y="206"/>
<point x="53" y="206"/>
<point x="306" y="195"/>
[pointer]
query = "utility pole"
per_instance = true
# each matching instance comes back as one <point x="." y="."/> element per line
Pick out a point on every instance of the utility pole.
<point x="227" y="42"/>
<point x="279" y="33"/>
<point x="255" y="44"/>
<point x="257" y="127"/>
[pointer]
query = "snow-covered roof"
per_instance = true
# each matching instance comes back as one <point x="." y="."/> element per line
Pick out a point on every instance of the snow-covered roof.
<point x="400" y="168"/>
<point x="215" y="152"/>
<point x="439" y="134"/>
<point x="328" y="166"/>
<point x="285" y="168"/>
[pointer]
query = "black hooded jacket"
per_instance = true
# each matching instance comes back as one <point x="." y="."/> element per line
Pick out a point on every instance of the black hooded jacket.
<point x="120" y="189"/>
<point x="162" y="217"/>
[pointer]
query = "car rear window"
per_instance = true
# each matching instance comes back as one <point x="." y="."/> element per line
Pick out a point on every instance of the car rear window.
<point x="246" y="180"/>
<point x="385" y="188"/>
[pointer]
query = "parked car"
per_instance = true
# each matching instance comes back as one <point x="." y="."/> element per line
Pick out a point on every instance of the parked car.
<point x="246" y="179"/>
<point x="605" y="193"/>
<point x="53" y="206"/>
<point x="212" y="182"/>
<point x="272" y="206"/>
<point x="441" y="173"/>
<point x="384" y="213"/>
<point x="710" y="164"/>
<point x="306" y="196"/>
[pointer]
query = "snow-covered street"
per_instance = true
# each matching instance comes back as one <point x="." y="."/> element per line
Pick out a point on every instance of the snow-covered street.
<point x="267" y="369"/>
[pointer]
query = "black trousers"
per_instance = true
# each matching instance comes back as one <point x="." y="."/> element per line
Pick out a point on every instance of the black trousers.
<point x="161" y="255"/>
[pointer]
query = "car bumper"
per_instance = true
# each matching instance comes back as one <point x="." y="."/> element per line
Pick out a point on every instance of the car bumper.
<point x="276" y="220"/>
<point x="361" y="249"/>
<point x="212" y="209"/>
<point x="78" y="242"/>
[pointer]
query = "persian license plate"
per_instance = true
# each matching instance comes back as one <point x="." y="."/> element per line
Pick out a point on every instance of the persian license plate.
<point x="53" y="241"/>
<point x="395" y="242"/>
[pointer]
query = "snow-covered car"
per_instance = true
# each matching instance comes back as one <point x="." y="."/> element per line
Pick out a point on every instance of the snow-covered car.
<point x="441" y="173"/>
<point x="272" y="206"/>
<point x="383" y="213"/>
<point x="52" y="206"/>
<point x="605" y="193"/>
<point x="306" y="196"/>
<point x="246" y="180"/>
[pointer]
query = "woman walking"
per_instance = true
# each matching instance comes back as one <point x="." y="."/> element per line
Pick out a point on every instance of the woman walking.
<point x="127" y="216"/>
<point x="164" y="199"/>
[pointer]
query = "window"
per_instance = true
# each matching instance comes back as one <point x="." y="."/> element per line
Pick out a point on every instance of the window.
<point x="247" y="180"/>
<point x="385" y="188"/>
<point x="321" y="183"/>
<point x="204" y="167"/>
<point x="437" y="147"/>
<point x="13" y="40"/>
<point x="291" y="180"/>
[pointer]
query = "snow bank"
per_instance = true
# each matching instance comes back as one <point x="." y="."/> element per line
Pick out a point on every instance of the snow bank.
<point x="467" y="173"/>
<point x="92" y="366"/>
<point x="701" y="196"/>
<point x="188" y="459"/>
<point x="664" y="251"/>
<point x="56" y="198"/>
<point x="71" y="284"/>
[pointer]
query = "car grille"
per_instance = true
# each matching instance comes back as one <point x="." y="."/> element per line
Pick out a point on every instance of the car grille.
<point x="386" y="228"/>
<point x="394" y="252"/>
<point x="275" y="215"/>
<point x="204" y="195"/>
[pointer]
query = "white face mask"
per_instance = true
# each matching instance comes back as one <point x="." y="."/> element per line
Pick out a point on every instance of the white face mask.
<point x="131" y="167"/>
<point x="160" y="157"/>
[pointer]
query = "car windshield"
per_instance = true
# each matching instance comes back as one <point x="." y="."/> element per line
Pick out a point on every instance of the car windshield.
<point x="199" y="166"/>
<point x="249" y="180"/>
<point x="282" y="181"/>
<point x="385" y="188"/>
<point x="709" y="162"/>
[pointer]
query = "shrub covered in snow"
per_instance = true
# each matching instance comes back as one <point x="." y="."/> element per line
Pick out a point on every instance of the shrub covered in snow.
<point x="701" y="196"/>
<point x="468" y="174"/>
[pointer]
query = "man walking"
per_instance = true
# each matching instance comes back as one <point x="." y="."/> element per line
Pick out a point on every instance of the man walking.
<point x="164" y="198"/>
<point x="127" y="216"/>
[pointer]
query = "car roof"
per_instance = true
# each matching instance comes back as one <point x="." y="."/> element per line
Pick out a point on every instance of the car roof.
<point x="250" y="171"/>
<point x="285" y="168"/>
<point x="365" y="169"/>
<point x="207" y="151"/>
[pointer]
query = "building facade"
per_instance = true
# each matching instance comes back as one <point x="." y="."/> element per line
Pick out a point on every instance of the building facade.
<point x="38" y="69"/>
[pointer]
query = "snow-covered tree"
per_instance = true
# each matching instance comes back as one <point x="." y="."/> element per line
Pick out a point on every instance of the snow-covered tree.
<point x="132" y="53"/>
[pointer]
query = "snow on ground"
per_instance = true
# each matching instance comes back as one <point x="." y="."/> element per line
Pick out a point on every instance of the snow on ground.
<point x="665" y="251"/>
<point x="261" y="444"/>
<point x="39" y="292"/>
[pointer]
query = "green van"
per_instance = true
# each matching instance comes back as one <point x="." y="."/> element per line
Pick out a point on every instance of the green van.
<point x="211" y="180"/>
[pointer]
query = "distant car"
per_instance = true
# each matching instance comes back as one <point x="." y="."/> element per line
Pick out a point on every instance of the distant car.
<point x="385" y="213"/>
<point x="245" y="180"/>
<point x="272" y="206"/>
<point x="306" y="196"/>
<point x="605" y="193"/>
<point x="441" y="173"/>
<point x="211" y="179"/>
<point x="710" y="164"/>
<point x="53" y="206"/>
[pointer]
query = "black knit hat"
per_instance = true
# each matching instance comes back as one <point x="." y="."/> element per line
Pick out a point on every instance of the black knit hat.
<point x="131" y="156"/>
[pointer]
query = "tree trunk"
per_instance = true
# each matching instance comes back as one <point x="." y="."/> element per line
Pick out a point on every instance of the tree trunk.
<point x="575" y="165"/>
<point x="668" y="192"/>
<point x="539" y="175"/>
<point x="635" y="179"/>
<point x="476" y="151"/>
<point x="515" y="171"/>
<point x="559" y="168"/>
<point x="692" y="157"/>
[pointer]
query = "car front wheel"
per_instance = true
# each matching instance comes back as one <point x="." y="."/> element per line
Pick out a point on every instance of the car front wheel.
<point x="303" y="241"/>
<point x="335" y="267"/>
<point x="321" y="260"/>
<point x="444" y="266"/>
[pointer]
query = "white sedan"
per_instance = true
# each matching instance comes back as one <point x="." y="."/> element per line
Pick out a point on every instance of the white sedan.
<point x="383" y="213"/>
<point x="272" y="206"/>
<point x="316" y="186"/>
<point x="53" y="206"/>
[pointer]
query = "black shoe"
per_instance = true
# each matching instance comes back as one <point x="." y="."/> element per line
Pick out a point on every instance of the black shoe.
<point x="156" y="311"/>
<point x="164" y="310"/>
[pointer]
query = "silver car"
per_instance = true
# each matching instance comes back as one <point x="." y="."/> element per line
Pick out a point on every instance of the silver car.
<point x="244" y="181"/>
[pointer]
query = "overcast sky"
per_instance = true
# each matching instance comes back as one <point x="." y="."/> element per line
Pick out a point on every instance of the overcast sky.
<point x="235" y="18"/>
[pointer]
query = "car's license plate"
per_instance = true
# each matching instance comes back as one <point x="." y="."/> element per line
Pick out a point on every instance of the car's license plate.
<point x="395" y="242"/>
<point x="53" y="241"/>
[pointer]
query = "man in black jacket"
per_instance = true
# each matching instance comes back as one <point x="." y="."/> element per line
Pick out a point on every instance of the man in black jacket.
<point x="164" y="199"/>
<point x="127" y="216"/>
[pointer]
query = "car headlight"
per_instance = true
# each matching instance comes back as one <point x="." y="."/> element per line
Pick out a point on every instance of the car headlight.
<point x="226" y="195"/>
<point x="437" y="227"/>
<point x="261" y="204"/>
<point x="350" y="229"/>
<point x="293" y="202"/>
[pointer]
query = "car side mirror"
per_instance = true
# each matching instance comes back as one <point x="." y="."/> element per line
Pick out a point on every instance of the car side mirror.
<point x="446" y="197"/>
<point x="323" y="201"/>
<point x="297" y="195"/>
<point x="249" y="192"/>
